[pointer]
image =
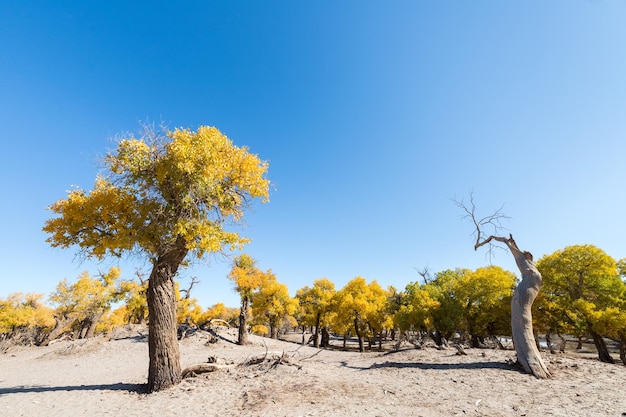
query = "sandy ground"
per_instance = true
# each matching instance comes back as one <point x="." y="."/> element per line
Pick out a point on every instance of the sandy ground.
<point x="100" y="377"/>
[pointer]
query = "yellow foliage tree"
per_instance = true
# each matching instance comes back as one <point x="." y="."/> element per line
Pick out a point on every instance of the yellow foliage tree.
<point x="415" y="309"/>
<point x="83" y="303"/>
<point x="272" y="304"/>
<point x="167" y="195"/>
<point x="359" y="307"/>
<point x="220" y="312"/>
<point x="247" y="279"/>
<point x="485" y="298"/>
<point x="135" y="302"/>
<point x="315" y="308"/>
<point x="25" y="318"/>
<point x="580" y="282"/>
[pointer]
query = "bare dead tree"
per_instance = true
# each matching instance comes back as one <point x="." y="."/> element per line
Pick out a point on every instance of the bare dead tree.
<point x="524" y="294"/>
<point x="187" y="291"/>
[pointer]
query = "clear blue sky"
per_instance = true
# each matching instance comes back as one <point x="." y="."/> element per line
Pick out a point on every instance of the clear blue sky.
<point x="373" y="116"/>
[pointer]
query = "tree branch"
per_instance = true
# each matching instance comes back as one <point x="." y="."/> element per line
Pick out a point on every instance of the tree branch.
<point x="492" y="221"/>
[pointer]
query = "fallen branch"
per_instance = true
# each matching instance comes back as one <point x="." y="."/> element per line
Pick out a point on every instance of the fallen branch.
<point x="201" y="368"/>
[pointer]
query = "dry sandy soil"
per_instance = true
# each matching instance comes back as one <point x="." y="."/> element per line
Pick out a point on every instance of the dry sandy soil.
<point x="100" y="377"/>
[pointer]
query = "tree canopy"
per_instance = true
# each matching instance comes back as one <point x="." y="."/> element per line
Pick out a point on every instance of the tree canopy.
<point x="582" y="284"/>
<point x="165" y="194"/>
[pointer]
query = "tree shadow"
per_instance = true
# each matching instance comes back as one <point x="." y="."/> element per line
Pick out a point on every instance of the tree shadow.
<point x="25" y="389"/>
<point x="439" y="366"/>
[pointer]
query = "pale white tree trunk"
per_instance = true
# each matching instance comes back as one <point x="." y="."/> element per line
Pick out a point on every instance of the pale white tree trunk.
<point x="521" y="315"/>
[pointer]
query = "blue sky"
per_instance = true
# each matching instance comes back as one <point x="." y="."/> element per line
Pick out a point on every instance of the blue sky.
<point x="373" y="116"/>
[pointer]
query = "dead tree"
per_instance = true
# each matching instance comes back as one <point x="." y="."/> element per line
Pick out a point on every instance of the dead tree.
<point x="524" y="294"/>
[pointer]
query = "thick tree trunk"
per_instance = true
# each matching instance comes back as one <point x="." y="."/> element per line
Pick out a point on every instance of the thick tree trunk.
<point x="603" y="351"/>
<point x="316" y="340"/>
<point x="325" y="337"/>
<point x="164" y="368"/>
<point x="243" y="321"/>
<point x="274" y="328"/>
<point x="61" y="323"/>
<point x="90" y="324"/>
<point x="521" y="315"/>
<point x="622" y="349"/>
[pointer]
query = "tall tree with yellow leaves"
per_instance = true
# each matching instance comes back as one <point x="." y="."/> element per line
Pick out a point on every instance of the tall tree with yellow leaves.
<point x="247" y="279"/>
<point x="166" y="194"/>
<point x="360" y="307"/>
<point x="315" y="306"/>
<point x="272" y="304"/>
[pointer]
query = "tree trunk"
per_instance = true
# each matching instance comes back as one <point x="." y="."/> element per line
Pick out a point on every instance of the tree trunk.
<point x="91" y="324"/>
<point x="164" y="367"/>
<point x="474" y="342"/>
<point x="273" y="330"/>
<point x="316" y="340"/>
<point x="358" y="333"/>
<point x="243" y="321"/>
<point x="603" y="351"/>
<point x="61" y="323"/>
<point x="622" y="349"/>
<point x="325" y="337"/>
<point x="521" y="304"/>
<point x="549" y="343"/>
<point x="521" y="316"/>
<point x="579" y="346"/>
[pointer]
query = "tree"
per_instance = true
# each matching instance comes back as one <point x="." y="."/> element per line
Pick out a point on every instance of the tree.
<point x="247" y="278"/>
<point x="166" y="195"/>
<point x="315" y="304"/>
<point x="351" y="305"/>
<point x="358" y="306"/>
<point x="378" y="317"/>
<point x="448" y="315"/>
<point x="272" y="304"/>
<point x="414" y="308"/>
<point x="25" y="318"/>
<point x="187" y="308"/>
<point x="485" y="298"/>
<point x="524" y="294"/>
<point x="220" y="312"/>
<point x="582" y="281"/>
<point x="135" y="308"/>
<point x="84" y="302"/>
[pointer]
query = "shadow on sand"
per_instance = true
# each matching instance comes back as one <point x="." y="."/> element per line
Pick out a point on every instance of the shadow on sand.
<point x="438" y="366"/>
<point x="24" y="389"/>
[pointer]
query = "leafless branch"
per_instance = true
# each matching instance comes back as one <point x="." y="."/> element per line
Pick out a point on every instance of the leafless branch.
<point x="187" y="291"/>
<point x="425" y="273"/>
<point x="491" y="223"/>
<point x="140" y="276"/>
